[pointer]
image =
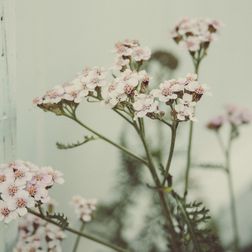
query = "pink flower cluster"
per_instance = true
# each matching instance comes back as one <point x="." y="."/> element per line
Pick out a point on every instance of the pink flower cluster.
<point x="236" y="115"/>
<point x="191" y="33"/>
<point x="83" y="85"/>
<point x="127" y="90"/>
<point x="185" y="93"/>
<point x="127" y="49"/>
<point x="22" y="184"/>
<point x="84" y="209"/>
<point x="122" y="88"/>
<point x="35" y="234"/>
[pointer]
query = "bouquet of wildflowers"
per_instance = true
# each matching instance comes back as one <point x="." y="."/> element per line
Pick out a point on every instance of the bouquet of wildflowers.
<point x="125" y="89"/>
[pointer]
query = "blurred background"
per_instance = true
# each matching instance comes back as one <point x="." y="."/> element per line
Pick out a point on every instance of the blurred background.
<point x="58" y="38"/>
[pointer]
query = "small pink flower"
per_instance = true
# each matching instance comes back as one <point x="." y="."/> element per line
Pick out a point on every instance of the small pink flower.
<point x="191" y="44"/>
<point x="141" y="54"/>
<point x="36" y="101"/>
<point x="216" y="122"/>
<point x="6" y="213"/>
<point x="144" y="104"/>
<point x="20" y="201"/>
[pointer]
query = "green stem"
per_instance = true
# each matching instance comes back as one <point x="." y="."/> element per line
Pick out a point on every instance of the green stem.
<point x="220" y="142"/>
<point x="79" y="233"/>
<point x="232" y="198"/>
<point x="106" y="139"/>
<point x="123" y="116"/>
<point x="196" y="244"/>
<point x="165" y="122"/>
<point x="173" y="139"/>
<point x="196" y="66"/>
<point x="188" y="160"/>
<point x="157" y="182"/>
<point x="78" y="237"/>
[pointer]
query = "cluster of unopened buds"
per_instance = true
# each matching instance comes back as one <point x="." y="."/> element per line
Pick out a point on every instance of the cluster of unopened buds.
<point x="236" y="115"/>
<point x="35" y="234"/>
<point x="190" y="34"/>
<point x="22" y="185"/>
<point x="128" y="90"/>
<point x="84" y="209"/>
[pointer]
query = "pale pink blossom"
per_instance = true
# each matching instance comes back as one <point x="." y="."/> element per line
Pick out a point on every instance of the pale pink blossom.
<point x="184" y="112"/>
<point x="56" y="175"/>
<point x="20" y="175"/>
<point x="98" y="72"/>
<point x="144" y="104"/>
<point x="192" y="44"/>
<point x="3" y="173"/>
<point x="207" y="37"/>
<point x="195" y="87"/>
<point x="119" y="63"/>
<point x="20" y="201"/>
<point x="84" y="208"/>
<point x="36" y="101"/>
<point x="84" y="72"/>
<point x="6" y="213"/>
<point x="9" y="189"/>
<point x="167" y="91"/>
<point x="141" y="53"/>
<point x="54" y="95"/>
<point x="131" y="43"/>
<point x="215" y="23"/>
<point x="117" y="97"/>
<point x="72" y="94"/>
<point x="38" y="192"/>
<point x="191" y="77"/>
<point x="96" y="81"/>
<point x="187" y="100"/>
<point x="216" y="122"/>
<point x="122" y="50"/>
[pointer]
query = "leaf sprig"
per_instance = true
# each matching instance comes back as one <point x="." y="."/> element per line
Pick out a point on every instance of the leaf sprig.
<point x="73" y="145"/>
<point x="61" y="219"/>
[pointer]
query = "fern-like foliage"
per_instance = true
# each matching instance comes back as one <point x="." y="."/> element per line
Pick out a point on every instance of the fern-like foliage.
<point x="211" y="166"/>
<point x="73" y="145"/>
<point x="191" y="219"/>
<point x="60" y="219"/>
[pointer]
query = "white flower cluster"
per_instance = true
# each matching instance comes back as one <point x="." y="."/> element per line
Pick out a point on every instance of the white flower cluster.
<point x="84" y="209"/>
<point x="236" y="115"/>
<point x="127" y="49"/>
<point x="22" y="184"/>
<point x="122" y="88"/>
<point x="84" y="84"/>
<point x="191" y="33"/>
<point x="185" y="92"/>
<point x="128" y="90"/>
<point x="35" y="234"/>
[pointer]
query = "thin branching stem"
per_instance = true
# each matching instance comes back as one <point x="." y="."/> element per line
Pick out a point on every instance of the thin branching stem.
<point x="172" y="145"/>
<point x="73" y="117"/>
<point x="162" y="197"/>
<point x="78" y="237"/>
<point x="196" y="244"/>
<point x="123" y="116"/>
<point x="220" y="142"/>
<point x="188" y="160"/>
<point x="196" y="62"/>
<point x="232" y="198"/>
<point x="90" y="237"/>
<point x="165" y="122"/>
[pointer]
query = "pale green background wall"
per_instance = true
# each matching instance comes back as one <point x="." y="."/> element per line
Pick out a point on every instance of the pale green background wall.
<point x="56" y="39"/>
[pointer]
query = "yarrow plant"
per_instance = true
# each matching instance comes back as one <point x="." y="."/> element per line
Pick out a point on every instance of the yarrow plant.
<point x="235" y="116"/>
<point x="36" y="234"/>
<point x="22" y="185"/>
<point x="128" y="91"/>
